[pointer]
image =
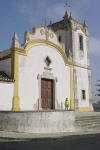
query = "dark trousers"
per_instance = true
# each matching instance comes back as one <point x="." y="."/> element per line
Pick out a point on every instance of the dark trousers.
<point x="66" y="107"/>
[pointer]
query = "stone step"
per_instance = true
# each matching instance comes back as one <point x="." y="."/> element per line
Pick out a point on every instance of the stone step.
<point x="83" y="114"/>
<point x="91" y="128"/>
<point x="87" y="118"/>
<point x="90" y="119"/>
<point x="88" y="124"/>
<point x="88" y="128"/>
<point x="87" y="121"/>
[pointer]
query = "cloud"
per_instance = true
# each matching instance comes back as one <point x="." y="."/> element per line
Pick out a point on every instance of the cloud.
<point x="36" y="11"/>
<point x="79" y="8"/>
<point x="94" y="46"/>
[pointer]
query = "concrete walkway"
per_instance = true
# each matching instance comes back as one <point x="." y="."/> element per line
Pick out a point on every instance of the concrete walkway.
<point x="29" y="136"/>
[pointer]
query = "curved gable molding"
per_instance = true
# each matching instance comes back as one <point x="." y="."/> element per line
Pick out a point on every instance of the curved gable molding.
<point x="43" y="42"/>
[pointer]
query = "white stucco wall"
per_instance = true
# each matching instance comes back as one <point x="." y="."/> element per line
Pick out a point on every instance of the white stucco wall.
<point x="65" y="38"/>
<point x="31" y="66"/>
<point x="82" y="84"/>
<point x="80" y="56"/>
<point x="5" y="65"/>
<point x="6" y="96"/>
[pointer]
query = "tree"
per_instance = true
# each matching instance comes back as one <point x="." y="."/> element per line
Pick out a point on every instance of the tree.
<point x="98" y="91"/>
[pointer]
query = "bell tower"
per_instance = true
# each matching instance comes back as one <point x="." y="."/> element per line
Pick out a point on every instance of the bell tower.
<point x="76" y="39"/>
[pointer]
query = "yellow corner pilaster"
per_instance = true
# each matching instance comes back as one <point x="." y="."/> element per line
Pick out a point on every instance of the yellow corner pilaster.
<point x="16" y="101"/>
<point x="72" y="102"/>
<point x="15" y="105"/>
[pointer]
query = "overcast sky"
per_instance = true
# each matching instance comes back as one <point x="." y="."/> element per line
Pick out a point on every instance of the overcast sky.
<point x="21" y="15"/>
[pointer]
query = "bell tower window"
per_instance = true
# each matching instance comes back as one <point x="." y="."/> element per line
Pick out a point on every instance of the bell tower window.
<point x="83" y="95"/>
<point x="81" y="42"/>
<point x="59" y="38"/>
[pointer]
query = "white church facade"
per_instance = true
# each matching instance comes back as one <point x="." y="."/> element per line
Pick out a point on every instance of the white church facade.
<point x="52" y="65"/>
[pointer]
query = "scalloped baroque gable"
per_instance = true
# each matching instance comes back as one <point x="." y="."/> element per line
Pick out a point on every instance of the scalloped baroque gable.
<point x="43" y="33"/>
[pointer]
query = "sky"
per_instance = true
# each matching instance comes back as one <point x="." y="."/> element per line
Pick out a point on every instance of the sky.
<point x="21" y="15"/>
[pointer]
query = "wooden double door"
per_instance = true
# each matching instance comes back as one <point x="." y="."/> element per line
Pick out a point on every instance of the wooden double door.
<point x="47" y="93"/>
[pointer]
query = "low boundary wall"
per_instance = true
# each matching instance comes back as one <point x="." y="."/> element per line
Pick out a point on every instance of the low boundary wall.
<point x="38" y="122"/>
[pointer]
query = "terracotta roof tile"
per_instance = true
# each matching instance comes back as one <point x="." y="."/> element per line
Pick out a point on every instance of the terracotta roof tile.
<point x="4" y="77"/>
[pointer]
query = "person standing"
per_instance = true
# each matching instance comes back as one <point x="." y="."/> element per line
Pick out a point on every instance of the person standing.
<point x="66" y="104"/>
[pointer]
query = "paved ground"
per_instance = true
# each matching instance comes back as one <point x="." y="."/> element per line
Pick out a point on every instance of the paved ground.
<point x="5" y="136"/>
<point x="80" y="142"/>
<point x="58" y="141"/>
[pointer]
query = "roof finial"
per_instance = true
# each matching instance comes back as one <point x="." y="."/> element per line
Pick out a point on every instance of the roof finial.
<point x="85" y="24"/>
<point x="66" y="12"/>
<point x="15" y="37"/>
<point x="15" y="40"/>
<point x="70" y="15"/>
<point x="67" y="15"/>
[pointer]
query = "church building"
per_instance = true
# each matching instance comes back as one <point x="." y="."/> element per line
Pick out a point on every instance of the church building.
<point x="53" y="64"/>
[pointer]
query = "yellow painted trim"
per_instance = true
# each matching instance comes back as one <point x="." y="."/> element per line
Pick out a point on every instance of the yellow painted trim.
<point x="40" y="42"/>
<point x="84" y="109"/>
<point x="15" y="72"/>
<point x="81" y="66"/>
<point x="12" y="64"/>
<point x="43" y="42"/>
<point x="72" y="102"/>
